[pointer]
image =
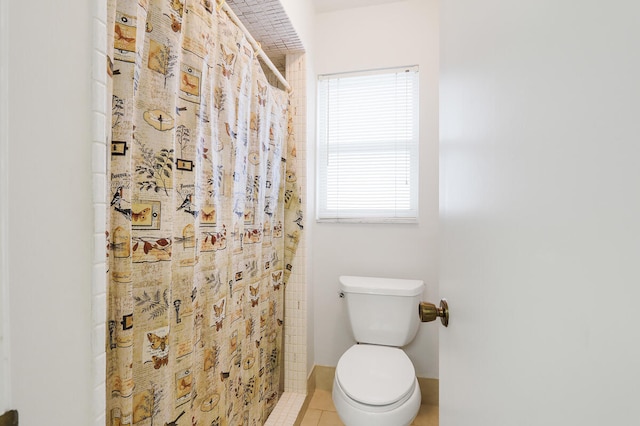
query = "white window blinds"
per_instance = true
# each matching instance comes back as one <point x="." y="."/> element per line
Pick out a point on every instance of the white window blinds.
<point x="368" y="146"/>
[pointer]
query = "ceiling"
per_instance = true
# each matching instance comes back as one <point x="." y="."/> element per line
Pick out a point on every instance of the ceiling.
<point x="332" y="5"/>
<point x="269" y="24"/>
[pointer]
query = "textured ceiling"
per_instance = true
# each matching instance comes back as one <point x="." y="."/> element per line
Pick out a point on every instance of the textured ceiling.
<point x="269" y="24"/>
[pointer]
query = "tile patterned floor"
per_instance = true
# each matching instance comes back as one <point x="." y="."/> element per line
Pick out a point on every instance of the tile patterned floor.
<point x="321" y="412"/>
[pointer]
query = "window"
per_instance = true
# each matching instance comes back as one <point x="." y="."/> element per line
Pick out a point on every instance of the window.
<point x="368" y="146"/>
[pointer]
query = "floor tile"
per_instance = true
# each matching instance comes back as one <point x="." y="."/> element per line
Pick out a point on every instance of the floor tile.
<point x="311" y="417"/>
<point x="330" y="418"/>
<point x="321" y="412"/>
<point x="321" y="400"/>
<point x="427" y="416"/>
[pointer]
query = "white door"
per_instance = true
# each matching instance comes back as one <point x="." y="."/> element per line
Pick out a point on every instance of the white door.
<point x="540" y="212"/>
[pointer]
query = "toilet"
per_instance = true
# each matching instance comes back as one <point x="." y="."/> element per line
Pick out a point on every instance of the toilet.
<point x="375" y="382"/>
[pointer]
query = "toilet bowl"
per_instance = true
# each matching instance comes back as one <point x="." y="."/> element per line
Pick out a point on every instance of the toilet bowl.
<point x="376" y="386"/>
<point x="375" y="382"/>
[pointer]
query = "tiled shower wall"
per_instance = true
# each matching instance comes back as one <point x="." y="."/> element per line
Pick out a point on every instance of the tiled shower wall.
<point x="295" y="325"/>
<point x="295" y="305"/>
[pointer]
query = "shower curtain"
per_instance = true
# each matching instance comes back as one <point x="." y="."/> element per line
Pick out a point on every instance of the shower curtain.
<point x="204" y="219"/>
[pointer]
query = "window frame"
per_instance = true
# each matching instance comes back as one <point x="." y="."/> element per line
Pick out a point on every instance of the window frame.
<point x="409" y="215"/>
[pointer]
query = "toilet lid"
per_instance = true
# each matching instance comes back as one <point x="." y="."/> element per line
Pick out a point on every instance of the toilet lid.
<point x="375" y="375"/>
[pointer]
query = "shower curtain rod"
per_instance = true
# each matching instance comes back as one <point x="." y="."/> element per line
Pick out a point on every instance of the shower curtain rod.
<point x="256" y="46"/>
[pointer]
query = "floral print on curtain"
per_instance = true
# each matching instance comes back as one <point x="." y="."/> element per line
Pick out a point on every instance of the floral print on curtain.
<point x="204" y="219"/>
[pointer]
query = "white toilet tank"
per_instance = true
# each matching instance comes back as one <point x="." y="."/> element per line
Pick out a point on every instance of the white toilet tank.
<point x="382" y="311"/>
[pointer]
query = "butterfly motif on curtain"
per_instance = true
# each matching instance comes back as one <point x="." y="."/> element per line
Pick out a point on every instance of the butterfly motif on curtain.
<point x="254" y="296"/>
<point x="187" y="83"/>
<point x="262" y="94"/>
<point x="158" y="342"/>
<point x="176" y="25"/>
<point x="275" y="277"/>
<point x="219" y="314"/>
<point x="178" y="6"/>
<point x="141" y="216"/>
<point x="119" y="35"/>
<point x="227" y="62"/>
<point x="208" y="217"/>
<point x="159" y="361"/>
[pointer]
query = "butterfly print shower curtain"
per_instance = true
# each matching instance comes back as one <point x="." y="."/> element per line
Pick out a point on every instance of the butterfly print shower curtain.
<point x="201" y="228"/>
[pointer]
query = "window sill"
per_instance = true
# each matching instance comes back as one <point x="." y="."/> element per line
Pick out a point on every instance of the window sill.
<point x="378" y="220"/>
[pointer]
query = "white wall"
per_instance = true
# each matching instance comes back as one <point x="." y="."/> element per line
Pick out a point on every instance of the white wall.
<point x="50" y="240"/>
<point x="301" y="13"/>
<point x="396" y="34"/>
<point x="5" y="371"/>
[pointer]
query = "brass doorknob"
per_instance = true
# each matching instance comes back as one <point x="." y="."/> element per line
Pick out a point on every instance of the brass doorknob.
<point x="429" y="312"/>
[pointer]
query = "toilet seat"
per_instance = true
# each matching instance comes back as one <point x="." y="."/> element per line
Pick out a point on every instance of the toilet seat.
<point x="378" y="377"/>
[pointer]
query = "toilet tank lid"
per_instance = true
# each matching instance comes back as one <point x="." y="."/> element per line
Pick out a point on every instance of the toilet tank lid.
<point x="385" y="286"/>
